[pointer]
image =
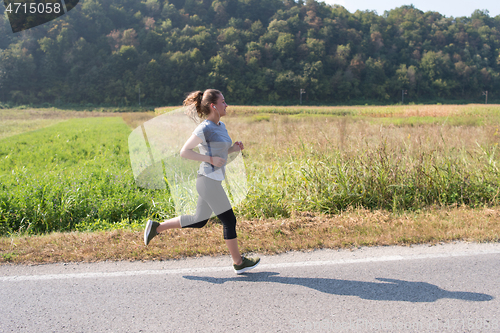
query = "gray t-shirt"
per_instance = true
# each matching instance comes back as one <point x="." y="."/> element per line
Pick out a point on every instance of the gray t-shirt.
<point x="216" y="142"/>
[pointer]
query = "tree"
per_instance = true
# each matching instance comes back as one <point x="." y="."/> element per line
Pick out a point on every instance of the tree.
<point x="436" y="68"/>
<point x="17" y="67"/>
<point x="375" y="81"/>
<point x="285" y="45"/>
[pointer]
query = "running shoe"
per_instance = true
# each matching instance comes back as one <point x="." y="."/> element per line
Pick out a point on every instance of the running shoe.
<point x="150" y="231"/>
<point x="247" y="264"/>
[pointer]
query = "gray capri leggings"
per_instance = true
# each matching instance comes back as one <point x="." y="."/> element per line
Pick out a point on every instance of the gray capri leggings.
<point x="211" y="198"/>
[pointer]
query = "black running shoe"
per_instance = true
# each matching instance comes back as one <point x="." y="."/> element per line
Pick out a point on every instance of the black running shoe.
<point x="150" y="231"/>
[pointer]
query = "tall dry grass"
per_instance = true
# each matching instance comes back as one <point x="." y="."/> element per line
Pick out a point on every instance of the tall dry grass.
<point x="328" y="164"/>
<point x="372" y="111"/>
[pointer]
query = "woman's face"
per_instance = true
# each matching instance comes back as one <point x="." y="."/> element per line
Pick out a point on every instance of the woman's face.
<point x="220" y="106"/>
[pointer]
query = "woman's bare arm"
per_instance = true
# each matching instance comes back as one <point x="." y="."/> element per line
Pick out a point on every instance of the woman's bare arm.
<point x="187" y="152"/>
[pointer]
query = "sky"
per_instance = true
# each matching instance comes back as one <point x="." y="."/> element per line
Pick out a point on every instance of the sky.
<point x="447" y="8"/>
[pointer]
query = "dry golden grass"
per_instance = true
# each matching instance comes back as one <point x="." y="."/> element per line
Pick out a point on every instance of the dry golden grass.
<point x="324" y="135"/>
<point x="37" y="114"/>
<point x="135" y="119"/>
<point x="303" y="231"/>
<point x="373" y="111"/>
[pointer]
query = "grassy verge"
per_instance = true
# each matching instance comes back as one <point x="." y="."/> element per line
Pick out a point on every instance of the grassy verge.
<point x="303" y="231"/>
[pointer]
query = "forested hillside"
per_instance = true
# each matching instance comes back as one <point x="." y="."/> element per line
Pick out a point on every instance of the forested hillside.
<point x="256" y="51"/>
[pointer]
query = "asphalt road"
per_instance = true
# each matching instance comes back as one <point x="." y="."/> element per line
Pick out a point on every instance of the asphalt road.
<point x="443" y="288"/>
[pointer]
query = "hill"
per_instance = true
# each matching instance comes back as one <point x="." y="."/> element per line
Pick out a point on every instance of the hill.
<point x="116" y="52"/>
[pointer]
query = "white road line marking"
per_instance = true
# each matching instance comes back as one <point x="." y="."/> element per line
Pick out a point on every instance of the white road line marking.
<point x="18" y="278"/>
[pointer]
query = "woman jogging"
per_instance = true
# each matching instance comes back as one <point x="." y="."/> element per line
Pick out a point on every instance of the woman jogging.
<point x="214" y="144"/>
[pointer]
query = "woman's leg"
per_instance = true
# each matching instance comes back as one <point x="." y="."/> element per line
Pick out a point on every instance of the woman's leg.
<point x="198" y="220"/>
<point x="232" y="245"/>
<point x="228" y="220"/>
<point x="240" y="263"/>
<point x="215" y="196"/>
<point x="173" y="223"/>
<point x="212" y="197"/>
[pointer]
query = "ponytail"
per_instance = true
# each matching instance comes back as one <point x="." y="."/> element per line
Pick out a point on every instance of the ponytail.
<point x="198" y="103"/>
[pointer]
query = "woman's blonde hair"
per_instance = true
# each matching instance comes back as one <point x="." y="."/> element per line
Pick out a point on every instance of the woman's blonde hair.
<point x="198" y="103"/>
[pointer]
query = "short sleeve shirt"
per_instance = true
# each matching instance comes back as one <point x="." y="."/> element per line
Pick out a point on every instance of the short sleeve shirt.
<point x="216" y="143"/>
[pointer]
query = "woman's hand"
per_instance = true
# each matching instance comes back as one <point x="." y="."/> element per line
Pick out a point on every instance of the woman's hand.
<point x="217" y="161"/>
<point x="238" y="146"/>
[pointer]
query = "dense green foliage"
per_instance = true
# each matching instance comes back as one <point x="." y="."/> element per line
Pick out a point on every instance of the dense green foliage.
<point x="71" y="174"/>
<point x="256" y="51"/>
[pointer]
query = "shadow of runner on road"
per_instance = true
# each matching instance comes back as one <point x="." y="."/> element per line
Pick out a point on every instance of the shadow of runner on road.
<point x="386" y="290"/>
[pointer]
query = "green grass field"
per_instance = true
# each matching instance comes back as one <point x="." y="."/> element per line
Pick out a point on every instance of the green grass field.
<point x="71" y="176"/>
